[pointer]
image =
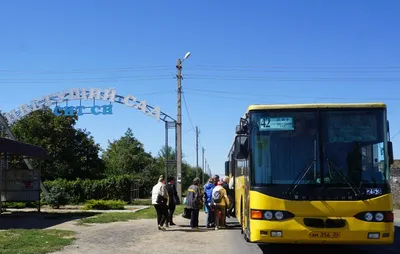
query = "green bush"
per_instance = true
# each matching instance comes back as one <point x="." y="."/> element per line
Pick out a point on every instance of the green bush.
<point x="16" y="205"/>
<point x="78" y="191"/>
<point x="58" y="196"/>
<point x="105" y="205"/>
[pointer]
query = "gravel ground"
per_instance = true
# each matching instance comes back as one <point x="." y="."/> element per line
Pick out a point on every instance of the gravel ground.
<point x="142" y="236"/>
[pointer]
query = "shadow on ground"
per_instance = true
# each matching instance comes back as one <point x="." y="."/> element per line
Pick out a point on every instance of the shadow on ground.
<point x="202" y="228"/>
<point x="38" y="220"/>
<point x="328" y="249"/>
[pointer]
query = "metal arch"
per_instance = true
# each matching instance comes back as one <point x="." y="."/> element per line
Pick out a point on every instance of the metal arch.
<point x="163" y="117"/>
<point x="170" y="123"/>
<point x="118" y="99"/>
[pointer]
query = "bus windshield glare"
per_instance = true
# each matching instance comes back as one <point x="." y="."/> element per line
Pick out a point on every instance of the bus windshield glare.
<point x="332" y="146"/>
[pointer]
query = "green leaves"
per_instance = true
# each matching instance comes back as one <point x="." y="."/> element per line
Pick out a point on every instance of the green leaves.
<point x="74" y="151"/>
<point x="76" y="172"/>
<point x="126" y="155"/>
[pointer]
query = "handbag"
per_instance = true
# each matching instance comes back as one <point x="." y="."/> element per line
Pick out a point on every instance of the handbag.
<point x="186" y="213"/>
<point x="176" y="200"/>
<point x="160" y="199"/>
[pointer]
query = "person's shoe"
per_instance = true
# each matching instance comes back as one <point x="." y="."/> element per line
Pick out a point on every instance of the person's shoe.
<point x="161" y="228"/>
<point x="172" y="224"/>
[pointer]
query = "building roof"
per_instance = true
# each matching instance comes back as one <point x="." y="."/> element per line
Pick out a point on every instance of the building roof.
<point x="19" y="148"/>
<point x="315" y="105"/>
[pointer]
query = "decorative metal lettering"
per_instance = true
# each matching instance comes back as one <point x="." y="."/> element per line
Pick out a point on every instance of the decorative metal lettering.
<point x="109" y="95"/>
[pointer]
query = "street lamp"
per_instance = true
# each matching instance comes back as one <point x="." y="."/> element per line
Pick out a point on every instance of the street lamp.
<point x="179" y="125"/>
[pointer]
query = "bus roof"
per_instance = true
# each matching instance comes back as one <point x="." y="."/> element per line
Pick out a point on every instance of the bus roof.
<point x="316" y="105"/>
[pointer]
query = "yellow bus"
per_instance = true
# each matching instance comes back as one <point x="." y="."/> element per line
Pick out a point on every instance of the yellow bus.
<point x="313" y="173"/>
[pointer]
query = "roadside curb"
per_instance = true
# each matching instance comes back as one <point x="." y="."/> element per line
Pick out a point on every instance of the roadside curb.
<point x="142" y="208"/>
<point x="27" y="210"/>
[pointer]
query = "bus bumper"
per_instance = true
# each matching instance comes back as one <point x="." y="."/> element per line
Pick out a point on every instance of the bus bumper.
<point x="293" y="231"/>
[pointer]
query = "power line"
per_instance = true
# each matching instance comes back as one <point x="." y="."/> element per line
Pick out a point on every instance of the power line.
<point x="187" y="111"/>
<point x="85" y="80"/>
<point x="298" y="67"/>
<point x="369" y="71"/>
<point x="398" y="132"/>
<point x="279" y="95"/>
<point x="217" y="96"/>
<point x="286" y="79"/>
<point x="80" y="71"/>
<point x="191" y="123"/>
<point x="341" y="68"/>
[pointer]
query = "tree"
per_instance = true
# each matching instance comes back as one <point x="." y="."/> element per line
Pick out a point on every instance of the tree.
<point x="171" y="155"/>
<point x="74" y="152"/>
<point x="126" y="155"/>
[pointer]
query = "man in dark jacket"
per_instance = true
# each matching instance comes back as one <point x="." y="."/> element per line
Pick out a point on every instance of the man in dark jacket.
<point x="173" y="200"/>
<point x="193" y="200"/>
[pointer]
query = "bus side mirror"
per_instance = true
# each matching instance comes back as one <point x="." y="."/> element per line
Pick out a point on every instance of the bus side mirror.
<point x="241" y="147"/>
<point x="226" y="168"/>
<point x="390" y="152"/>
<point x="240" y="129"/>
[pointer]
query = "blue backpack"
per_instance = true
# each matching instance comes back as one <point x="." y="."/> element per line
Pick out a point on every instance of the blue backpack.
<point x="208" y="193"/>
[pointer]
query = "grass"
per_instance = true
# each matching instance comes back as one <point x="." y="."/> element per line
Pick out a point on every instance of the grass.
<point x="148" y="213"/>
<point x="141" y="202"/>
<point x="104" y="205"/>
<point x="34" y="241"/>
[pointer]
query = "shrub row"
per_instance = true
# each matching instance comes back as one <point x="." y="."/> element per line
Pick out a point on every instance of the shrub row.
<point x="105" y="205"/>
<point x="62" y="192"/>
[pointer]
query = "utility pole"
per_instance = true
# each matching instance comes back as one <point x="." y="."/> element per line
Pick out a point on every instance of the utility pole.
<point x="203" y="162"/>
<point x="197" y="151"/>
<point x="179" y="126"/>
<point x="204" y="169"/>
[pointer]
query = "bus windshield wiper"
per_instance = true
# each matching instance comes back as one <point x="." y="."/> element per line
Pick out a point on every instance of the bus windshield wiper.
<point x="332" y="165"/>
<point x="294" y="185"/>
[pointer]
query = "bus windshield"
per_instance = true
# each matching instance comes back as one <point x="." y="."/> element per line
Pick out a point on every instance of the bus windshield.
<point x="327" y="146"/>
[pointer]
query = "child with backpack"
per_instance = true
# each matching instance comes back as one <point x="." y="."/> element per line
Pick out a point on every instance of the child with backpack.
<point x="220" y="201"/>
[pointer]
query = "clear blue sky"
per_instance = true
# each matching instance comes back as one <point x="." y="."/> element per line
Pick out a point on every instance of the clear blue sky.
<point x="327" y="51"/>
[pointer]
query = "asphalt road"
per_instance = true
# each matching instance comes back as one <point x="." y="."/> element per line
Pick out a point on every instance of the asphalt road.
<point x="239" y="245"/>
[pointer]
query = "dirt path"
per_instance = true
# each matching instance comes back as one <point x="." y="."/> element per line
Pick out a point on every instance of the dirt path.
<point x="142" y="236"/>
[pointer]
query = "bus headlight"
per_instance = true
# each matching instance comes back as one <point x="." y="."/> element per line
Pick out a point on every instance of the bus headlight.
<point x="368" y="216"/>
<point x="379" y="216"/>
<point x="268" y="215"/>
<point x="271" y="215"/>
<point x="375" y="216"/>
<point x="279" y="215"/>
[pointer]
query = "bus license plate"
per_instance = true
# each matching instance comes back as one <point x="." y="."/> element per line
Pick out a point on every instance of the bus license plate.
<point x="324" y="235"/>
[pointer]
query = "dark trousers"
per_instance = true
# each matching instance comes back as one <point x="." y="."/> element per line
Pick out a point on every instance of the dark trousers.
<point x="171" y="209"/>
<point x="194" y="218"/>
<point x="162" y="214"/>
<point x="210" y="217"/>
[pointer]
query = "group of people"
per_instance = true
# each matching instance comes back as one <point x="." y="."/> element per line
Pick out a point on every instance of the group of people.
<point x="165" y="198"/>
<point x="217" y="199"/>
